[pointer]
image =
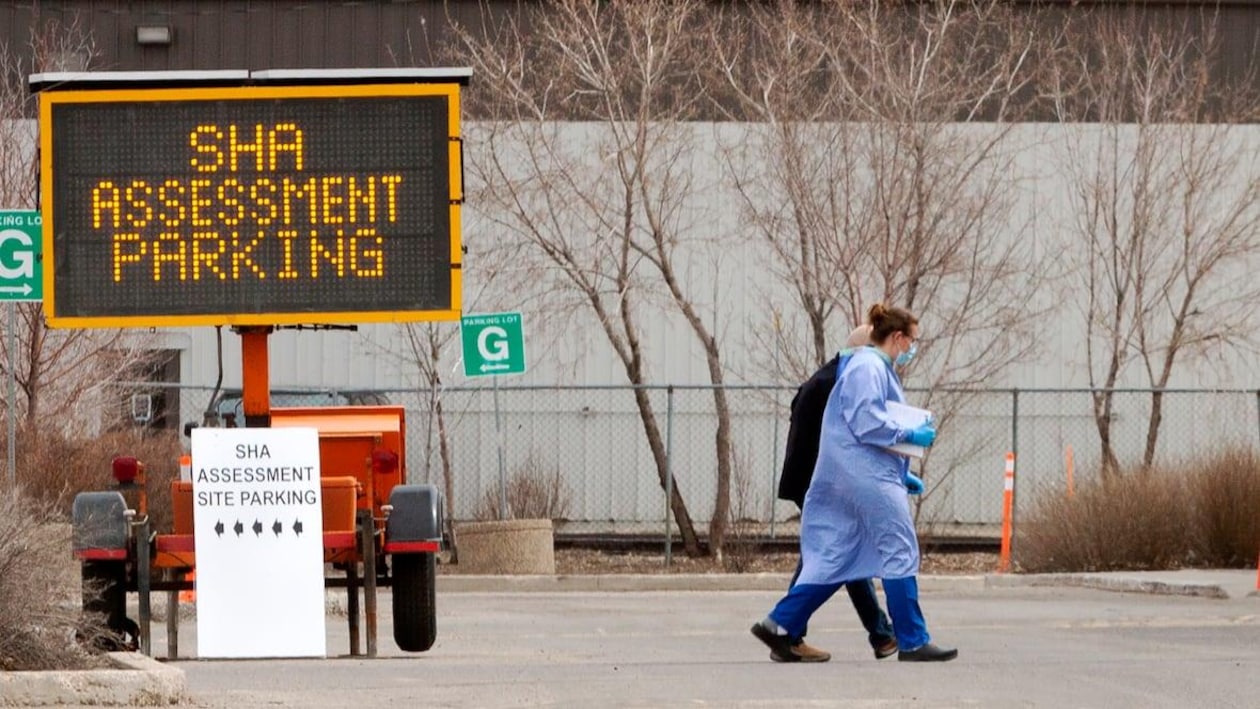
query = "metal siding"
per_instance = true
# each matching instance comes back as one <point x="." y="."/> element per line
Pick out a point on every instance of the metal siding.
<point x="278" y="48"/>
<point x="257" y="26"/>
<point x="153" y="58"/>
<point x="207" y="43"/>
<point x="338" y="28"/>
<point x="400" y="37"/>
<point x="109" y="29"/>
<point x="297" y="34"/>
<point x="309" y="34"/>
<point x="233" y="50"/>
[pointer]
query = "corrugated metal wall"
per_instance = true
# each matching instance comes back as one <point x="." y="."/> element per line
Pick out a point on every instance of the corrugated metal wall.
<point x="223" y="34"/>
<point x="250" y="35"/>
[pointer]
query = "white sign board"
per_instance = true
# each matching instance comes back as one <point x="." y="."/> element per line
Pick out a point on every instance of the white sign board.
<point x="259" y="542"/>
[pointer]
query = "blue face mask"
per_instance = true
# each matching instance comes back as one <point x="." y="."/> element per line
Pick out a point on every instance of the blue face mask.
<point x="906" y="357"/>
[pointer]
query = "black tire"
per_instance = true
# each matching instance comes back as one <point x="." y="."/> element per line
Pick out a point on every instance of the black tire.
<point x="105" y="600"/>
<point x="415" y="601"/>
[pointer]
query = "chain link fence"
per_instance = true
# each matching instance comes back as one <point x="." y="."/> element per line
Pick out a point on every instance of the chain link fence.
<point x="590" y="443"/>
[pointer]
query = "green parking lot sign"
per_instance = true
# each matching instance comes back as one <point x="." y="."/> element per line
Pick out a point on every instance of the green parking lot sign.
<point x="21" y="271"/>
<point x="494" y="343"/>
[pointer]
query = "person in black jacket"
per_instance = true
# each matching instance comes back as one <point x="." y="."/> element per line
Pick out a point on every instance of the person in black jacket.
<point x="804" y="433"/>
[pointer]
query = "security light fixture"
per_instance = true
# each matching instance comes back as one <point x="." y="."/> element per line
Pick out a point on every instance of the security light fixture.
<point x="153" y="34"/>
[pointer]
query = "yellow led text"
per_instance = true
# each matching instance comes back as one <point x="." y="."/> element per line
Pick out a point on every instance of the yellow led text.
<point x="247" y="210"/>
<point x="257" y="148"/>
<point x="231" y="256"/>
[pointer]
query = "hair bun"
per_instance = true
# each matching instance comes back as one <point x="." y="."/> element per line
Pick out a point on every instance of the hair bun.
<point x="876" y="313"/>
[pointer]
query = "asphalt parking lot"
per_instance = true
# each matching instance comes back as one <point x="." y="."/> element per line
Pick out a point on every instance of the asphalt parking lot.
<point x="1045" y="645"/>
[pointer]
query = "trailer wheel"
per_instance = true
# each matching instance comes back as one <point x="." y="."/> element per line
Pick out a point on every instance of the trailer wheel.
<point x="105" y="596"/>
<point x="415" y="601"/>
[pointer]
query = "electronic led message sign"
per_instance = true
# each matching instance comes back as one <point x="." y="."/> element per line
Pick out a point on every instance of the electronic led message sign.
<point x="251" y="205"/>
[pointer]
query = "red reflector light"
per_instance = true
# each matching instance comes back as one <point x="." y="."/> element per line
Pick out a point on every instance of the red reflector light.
<point x="384" y="461"/>
<point x="126" y="468"/>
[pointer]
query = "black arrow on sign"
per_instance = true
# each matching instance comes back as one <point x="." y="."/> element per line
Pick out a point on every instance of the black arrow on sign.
<point x="277" y="527"/>
<point x="297" y="527"/>
<point x="218" y="528"/>
<point x="257" y="528"/>
<point x="238" y="528"/>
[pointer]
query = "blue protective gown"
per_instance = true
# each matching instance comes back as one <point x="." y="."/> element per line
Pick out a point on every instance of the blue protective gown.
<point x="856" y="523"/>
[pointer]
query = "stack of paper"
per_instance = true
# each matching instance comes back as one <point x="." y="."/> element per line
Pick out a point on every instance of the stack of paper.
<point x="908" y="417"/>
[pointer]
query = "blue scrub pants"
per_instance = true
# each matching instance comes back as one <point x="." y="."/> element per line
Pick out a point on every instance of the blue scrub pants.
<point x="793" y="611"/>
<point x="862" y="595"/>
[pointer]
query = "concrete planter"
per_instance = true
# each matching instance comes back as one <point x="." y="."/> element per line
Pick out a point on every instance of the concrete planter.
<point x="133" y="680"/>
<point x="514" y="546"/>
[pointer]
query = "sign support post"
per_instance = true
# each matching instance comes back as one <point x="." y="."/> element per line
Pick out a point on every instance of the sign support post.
<point x="494" y="344"/>
<point x="498" y="441"/>
<point x="12" y="417"/>
<point x="21" y="279"/>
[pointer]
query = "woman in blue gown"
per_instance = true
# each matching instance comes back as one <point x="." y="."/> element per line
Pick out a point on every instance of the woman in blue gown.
<point x="856" y="523"/>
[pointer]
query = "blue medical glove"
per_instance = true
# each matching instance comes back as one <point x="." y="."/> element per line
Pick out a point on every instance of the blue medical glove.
<point x="924" y="435"/>
<point x="914" y="484"/>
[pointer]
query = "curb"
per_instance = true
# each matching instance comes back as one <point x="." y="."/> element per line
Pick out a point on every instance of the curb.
<point x="467" y="583"/>
<point x="135" y="680"/>
<point x="1109" y="583"/>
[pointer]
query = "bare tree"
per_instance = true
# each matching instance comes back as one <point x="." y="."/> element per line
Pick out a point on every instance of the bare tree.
<point x="774" y="61"/>
<point x="886" y="136"/>
<point x="882" y="167"/>
<point x="604" y="216"/>
<point x="66" y="377"/>
<point x="1166" y="203"/>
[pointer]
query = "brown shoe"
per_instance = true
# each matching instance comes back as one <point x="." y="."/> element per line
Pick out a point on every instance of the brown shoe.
<point x="886" y="649"/>
<point x="780" y="645"/>
<point x="803" y="652"/>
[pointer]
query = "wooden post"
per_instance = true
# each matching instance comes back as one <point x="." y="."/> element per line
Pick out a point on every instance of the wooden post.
<point x="1008" y="509"/>
<point x="172" y="618"/>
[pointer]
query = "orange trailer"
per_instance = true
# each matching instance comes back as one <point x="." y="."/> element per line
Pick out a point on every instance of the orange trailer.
<point x="256" y="200"/>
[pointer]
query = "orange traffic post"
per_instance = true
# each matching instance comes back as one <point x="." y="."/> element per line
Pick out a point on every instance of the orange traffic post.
<point x="255" y="376"/>
<point x="1008" y="509"/>
<point x="189" y="595"/>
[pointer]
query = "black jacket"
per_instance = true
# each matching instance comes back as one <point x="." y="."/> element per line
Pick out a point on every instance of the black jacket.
<point x="805" y="431"/>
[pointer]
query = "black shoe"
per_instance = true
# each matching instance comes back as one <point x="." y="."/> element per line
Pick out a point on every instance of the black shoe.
<point x="928" y="653"/>
<point x="886" y="648"/>
<point x="780" y="645"/>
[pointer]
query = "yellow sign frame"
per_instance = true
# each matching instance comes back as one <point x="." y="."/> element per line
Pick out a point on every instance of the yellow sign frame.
<point x="49" y="99"/>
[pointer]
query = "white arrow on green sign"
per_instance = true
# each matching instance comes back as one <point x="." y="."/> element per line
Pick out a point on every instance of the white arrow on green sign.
<point x="494" y="343"/>
<point x="21" y="268"/>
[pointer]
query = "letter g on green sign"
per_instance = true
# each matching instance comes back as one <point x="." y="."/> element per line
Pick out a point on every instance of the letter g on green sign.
<point x="492" y="344"/>
<point x="21" y="263"/>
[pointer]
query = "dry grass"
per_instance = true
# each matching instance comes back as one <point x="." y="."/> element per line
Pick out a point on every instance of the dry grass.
<point x="1226" y="493"/>
<point x="1197" y="514"/>
<point x="533" y="492"/>
<point x="40" y="586"/>
<point x="53" y="469"/>
<point x="40" y="612"/>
